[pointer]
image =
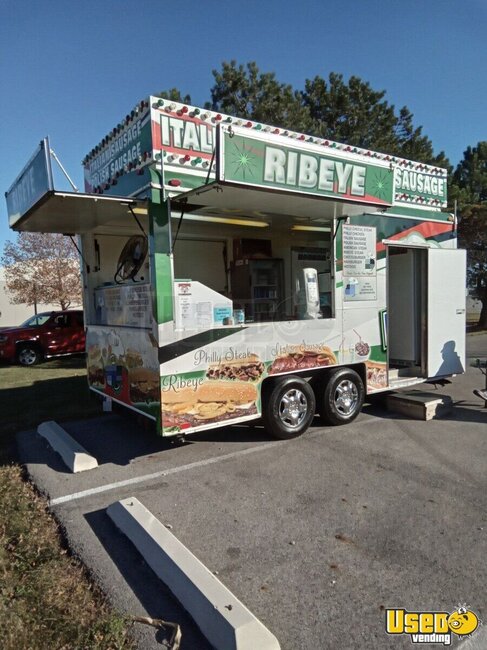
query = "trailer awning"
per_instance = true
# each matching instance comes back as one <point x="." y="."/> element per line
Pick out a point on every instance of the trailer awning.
<point x="223" y="198"/>
<point x="75" y="213"/>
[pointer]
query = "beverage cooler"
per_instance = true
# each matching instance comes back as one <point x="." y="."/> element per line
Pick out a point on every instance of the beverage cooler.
<point x="257" y="288"/>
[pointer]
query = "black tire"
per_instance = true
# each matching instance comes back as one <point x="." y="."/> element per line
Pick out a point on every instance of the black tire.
<point x="340" y="396"/>
<point x="28" y="355"/>
<point x="289" y="407"/>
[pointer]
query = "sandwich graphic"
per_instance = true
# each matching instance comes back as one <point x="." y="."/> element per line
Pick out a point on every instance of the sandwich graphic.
<point x="144" y="385"/>
<point x="96" y="370"/>
<point x="250" y="368"/>
<point x="133" y="359"/>
<point x="300" y="357"/>
<point x="212" y="401"/>
<point x="376" y="374"/>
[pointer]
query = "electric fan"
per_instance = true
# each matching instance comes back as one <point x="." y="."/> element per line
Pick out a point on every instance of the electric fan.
<point x="131" y="258"/>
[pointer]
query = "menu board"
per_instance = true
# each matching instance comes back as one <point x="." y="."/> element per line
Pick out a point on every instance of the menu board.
<point x="196" y="306"/>
<point x="191" y="313"/>
<point x="126" y="305"/>
<point x="359" y="263"/>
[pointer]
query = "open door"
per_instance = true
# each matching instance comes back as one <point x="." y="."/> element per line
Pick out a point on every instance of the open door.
<point x="426" y="312"/>
<point x="446" y="312"/>
<point x="406" y="306"/>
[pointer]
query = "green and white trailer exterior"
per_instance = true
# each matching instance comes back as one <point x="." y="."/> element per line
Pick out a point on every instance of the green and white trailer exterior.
<point x="192" y="182"/>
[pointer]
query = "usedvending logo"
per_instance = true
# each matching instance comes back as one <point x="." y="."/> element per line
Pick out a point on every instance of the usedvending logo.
<point x="432" y="627"/>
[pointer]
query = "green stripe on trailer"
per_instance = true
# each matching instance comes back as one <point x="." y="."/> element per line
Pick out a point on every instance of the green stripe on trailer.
<point x="161" y="258"/>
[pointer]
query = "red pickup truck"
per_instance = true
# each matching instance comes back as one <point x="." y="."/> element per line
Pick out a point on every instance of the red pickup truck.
<point x="44" y="335"/>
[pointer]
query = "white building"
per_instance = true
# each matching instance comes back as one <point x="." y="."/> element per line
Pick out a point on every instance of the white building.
<point x="11" y="314"/>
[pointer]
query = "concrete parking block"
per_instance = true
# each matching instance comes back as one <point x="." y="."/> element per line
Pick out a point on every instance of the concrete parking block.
<point x="419" y="405"/>
<point x="73" y="454"/>
<point x="222" y="618"/>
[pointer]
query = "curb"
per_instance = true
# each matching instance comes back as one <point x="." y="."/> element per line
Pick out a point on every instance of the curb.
<point x="73" y="454"/>
<point x="222" y="618"/>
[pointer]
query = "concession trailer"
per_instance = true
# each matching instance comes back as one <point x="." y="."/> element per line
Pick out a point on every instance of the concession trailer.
<point x="234" y="270"/>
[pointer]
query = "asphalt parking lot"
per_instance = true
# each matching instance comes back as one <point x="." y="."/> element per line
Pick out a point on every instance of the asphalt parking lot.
<point x="317" y="536"/>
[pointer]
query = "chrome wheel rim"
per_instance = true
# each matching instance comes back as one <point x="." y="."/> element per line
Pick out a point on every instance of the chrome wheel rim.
<point x="346" y="397"/>
<point x="27" y="357"/>
<point x="293" y="408"/>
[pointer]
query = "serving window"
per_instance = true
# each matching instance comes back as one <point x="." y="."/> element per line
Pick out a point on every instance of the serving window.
<point x="265" y="267"/>
<point x="115" y="300"/>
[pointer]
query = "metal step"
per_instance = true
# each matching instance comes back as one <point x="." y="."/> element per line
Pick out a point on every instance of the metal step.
<point x="403" y="373"/>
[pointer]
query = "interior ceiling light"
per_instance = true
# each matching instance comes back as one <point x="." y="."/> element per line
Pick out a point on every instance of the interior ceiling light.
<point x="232" y="222"/>
<point x="141" y="211"/>
<point x="312" y="228"/>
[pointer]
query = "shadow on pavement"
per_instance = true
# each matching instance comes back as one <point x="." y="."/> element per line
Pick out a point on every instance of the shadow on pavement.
<point x="461" y="412"/>
<point x="236" y="433"/>
<point x="119" y="440"/>
<point x="24" y="407"/>
<point x="465" y="413"/>
<point x="151" y="592"/>
<point x="109" y="438"/>
<point x="34" y="450"/>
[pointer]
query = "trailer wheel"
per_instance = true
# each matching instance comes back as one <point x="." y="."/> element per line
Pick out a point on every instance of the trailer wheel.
<point x="342" y="397"/>
<point x="289" y="408"/>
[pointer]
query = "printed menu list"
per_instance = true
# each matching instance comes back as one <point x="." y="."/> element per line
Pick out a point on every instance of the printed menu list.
<point x="125" y="305"/>
<point x="359" y="263"/>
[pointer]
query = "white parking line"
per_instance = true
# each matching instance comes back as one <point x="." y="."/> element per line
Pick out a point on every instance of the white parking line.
<point x="365" y="422"/>
<point x="165" y="472"/>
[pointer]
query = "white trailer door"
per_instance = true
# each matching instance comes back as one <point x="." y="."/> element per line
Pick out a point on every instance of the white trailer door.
<point x="446" y="312"/>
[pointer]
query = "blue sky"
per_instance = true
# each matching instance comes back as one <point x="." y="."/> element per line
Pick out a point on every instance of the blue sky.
<point x="72" y="70"/>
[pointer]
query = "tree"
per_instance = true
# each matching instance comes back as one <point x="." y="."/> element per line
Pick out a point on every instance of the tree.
<point x="412" y="144"/>
<point x="42" y="268"/>
<point x="245" y="92"/>
<point x="472" y="233"/>
<point x="469" y="190"/>
<point x="356" y="114"/>
<point x="469" y="185"/>
<point x="350" y="112"/>
<point x="175" y="95"/>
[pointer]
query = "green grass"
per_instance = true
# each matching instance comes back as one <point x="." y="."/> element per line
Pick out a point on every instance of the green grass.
<point x="57" y="388"/>
<point x="46" y="597"/>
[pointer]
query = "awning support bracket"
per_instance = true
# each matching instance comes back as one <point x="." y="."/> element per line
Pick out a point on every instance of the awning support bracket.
<point x="210" y="167"/>
<point x="138" y="222"/>
<point x="179" y="225"/>
<point x="87" y="266"/>
<point x="53" y="155"/>
<point x="343" y="217"/>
